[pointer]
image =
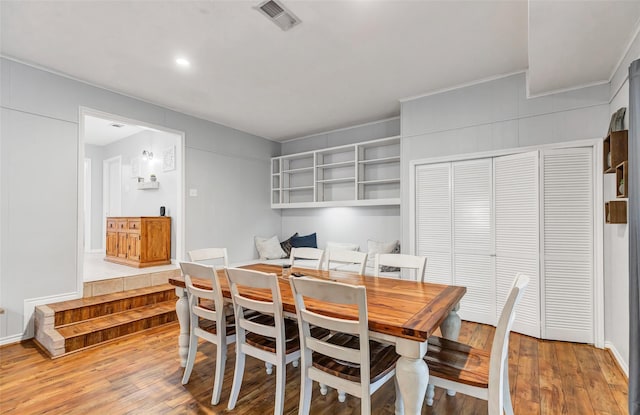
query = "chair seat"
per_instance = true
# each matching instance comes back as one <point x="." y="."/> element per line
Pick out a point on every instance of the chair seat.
<point x="210" y="326"/>
<point x="382" y="358"/>
<point x="291" y="333"/>
<point x="450" y="360"/>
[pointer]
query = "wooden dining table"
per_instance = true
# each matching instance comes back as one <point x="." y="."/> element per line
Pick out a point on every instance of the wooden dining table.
<point x="401" y="312"/>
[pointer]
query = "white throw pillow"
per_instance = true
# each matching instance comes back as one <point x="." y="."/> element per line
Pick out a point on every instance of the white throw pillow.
<point x="269" y="248"/>
<point x="377" y="247"/>
<point x="342" y="246"/>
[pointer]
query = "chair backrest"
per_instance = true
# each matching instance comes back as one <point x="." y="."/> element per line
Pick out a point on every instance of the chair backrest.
<point x="402" y="261"/>
<point x="248" y="280"/>
<point x="192" y="270"/>
<point x="500" y="346"/>
<point x="337" y="293"/>
<point x="343" y="256"/>
<point x="307" y="253"/>
<point x="210" y="254"/>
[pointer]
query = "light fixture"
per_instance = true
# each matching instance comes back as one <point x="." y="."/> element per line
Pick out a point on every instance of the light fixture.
<point x="147" y="155"/>
<point x="183" y="62"/>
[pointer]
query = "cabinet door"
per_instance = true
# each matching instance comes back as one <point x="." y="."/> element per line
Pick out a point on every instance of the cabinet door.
<point x="568" y="249"/>
<point x="112" y="244"/>
<point x="473" y="238"/>
<point x="133" y="244"/>
<point x="517" y="235"/>
<point x="122" y="244"/>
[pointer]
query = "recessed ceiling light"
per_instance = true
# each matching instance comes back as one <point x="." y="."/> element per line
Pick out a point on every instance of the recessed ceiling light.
<point x="182" y="62"/>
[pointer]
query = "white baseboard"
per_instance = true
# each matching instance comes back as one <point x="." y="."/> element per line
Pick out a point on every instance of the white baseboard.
<point x="30" y="306"/>
<point x="623" y="365"/>
<point x="12" y="339"/>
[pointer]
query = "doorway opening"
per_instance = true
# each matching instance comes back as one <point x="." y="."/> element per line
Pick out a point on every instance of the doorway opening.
<point x="131" y="169"/>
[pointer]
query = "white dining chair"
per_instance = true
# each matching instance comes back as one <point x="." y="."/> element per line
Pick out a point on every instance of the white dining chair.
<point x="267" y="337"/>
<point x="346" y="360"/>
<point x="209" y="255"/>
<point x="305" y="253"/>
<point x="208" y="322"/>
<point x="343" y="257"/>
<point x="402" y="261"/>
<point x="476" y="372"/>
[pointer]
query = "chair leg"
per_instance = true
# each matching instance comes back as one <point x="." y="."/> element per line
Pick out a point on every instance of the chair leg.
<point x="508" y="407"/>
<point x="269" y="368"/>
<point x="430" y="394"/>
<point x="305" y="395"/>
<point x="323" y="389"/>
<point x="237" y="378"/>
<point x="365" y="405"/>
<point x="341" y="396"/>
<point x="399" y="402"/>
<point x="281" y="379"/>
<point x="191" y="357"/>
<point x="221" y="360"/>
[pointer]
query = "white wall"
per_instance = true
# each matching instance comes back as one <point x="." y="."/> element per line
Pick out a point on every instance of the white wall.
<point x="96" y="155"/>
<point x="616" y="236"/>
<point x="39" y="182"/>
<point x="344" y="224"/>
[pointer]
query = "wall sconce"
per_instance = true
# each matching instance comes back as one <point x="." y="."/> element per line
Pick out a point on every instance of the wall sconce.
<point x="147" y="155"/>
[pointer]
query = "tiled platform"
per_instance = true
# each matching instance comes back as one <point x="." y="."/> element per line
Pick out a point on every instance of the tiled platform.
<point x="102" y="277"/>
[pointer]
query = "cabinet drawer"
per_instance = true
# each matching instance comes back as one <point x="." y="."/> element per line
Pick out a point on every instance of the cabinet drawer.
<point x="134" y="225"/>
<point x="122" y="224"/>
<point x="112" y="225"/>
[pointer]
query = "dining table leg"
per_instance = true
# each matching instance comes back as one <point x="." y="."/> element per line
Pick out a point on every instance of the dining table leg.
<point x="182" y="311"/>
<point x="450" y="329"/>
<point x="412" y="375"/>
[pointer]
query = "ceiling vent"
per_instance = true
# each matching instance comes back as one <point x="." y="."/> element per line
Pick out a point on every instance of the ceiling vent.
<point x="278" y="14"/>
<point x="116" y="125"/>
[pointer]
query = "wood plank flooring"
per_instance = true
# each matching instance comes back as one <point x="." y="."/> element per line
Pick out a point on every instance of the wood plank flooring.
<point x="141" y="374"/>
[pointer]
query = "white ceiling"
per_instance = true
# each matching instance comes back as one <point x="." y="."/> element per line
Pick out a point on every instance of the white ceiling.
<point x="347" y="63"/>
<point x="100" y="132"/>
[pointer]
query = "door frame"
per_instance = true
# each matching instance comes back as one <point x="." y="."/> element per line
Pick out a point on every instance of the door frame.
<point x="179" y="214"/>
<point x="598" y="209"/>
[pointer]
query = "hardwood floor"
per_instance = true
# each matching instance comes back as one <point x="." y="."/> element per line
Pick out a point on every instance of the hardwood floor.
<point x="140" y="374"/>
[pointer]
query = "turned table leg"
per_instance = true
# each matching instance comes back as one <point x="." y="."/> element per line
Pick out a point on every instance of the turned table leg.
<point x="182" y="310"/>
<point x="450" y="329"/>
<point x="412" y="375"/>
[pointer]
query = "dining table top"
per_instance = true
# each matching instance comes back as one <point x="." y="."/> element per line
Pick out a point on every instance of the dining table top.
<point x="395" y="307"/>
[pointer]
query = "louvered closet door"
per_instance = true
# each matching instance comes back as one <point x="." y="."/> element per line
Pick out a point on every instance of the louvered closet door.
<point x="517" y="235"/>
<point x="433" y="220"/>
<point x="567" y="290"/>
<point x="473" y="247"/>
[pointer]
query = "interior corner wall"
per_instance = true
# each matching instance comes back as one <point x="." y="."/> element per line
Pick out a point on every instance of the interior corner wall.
<point x="96" y="155"/>
<point x="344" y="224"/>
<point x="616" y="236"/>
<point x="39" y="147"/>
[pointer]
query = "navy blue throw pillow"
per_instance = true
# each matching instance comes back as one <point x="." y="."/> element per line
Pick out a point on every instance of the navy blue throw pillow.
<point x="304" y="241"/>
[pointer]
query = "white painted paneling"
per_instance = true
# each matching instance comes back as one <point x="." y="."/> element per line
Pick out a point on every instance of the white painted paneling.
<point x="517" y="235"/>
<point x="433" y="220"/>
<point x="568" y="244"/>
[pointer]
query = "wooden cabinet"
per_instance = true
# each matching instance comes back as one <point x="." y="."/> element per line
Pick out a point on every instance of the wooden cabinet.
<point x="139" y="241"/>
<point x="363" y="174"/>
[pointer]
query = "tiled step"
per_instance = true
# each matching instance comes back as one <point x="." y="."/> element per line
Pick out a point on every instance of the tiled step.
<point x="108" y="327"/>
<point x="69" y="326"/>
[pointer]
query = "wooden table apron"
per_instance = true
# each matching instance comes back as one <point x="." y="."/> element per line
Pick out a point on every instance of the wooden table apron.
<point x="403" y="313"/>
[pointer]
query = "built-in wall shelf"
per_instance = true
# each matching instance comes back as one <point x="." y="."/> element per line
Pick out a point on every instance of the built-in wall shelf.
<point x="615" y="211"/>
<point x="148" y="185"/>
<point x="362" y="174"/>
<point x="622" y="180"/>
<point x="615" y="150"/>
